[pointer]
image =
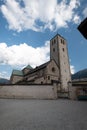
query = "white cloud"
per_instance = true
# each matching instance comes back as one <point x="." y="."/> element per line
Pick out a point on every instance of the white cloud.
<point x="85" y="12"/>
<point x="76" y="19"/>
<point x="72" y="68"/>
<point x="23" y="54"/>
<point x="51" y="13"/>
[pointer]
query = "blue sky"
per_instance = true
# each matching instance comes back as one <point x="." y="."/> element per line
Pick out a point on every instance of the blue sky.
<point x="26" y="26"/>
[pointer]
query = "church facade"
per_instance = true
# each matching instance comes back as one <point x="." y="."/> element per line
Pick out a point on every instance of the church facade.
<point x="57" y="69"/>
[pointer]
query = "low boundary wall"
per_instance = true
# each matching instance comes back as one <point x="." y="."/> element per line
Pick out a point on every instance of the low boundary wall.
<point x="28" y="91"/>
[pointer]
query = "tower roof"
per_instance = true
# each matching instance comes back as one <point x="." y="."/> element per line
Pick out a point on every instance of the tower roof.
<point x="57" y="36"/>
<point x="17" y="72"/>
<point x="28" y="67"/>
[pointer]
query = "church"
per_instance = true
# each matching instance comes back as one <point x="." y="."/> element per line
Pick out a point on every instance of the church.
<point x="57" y="69"/>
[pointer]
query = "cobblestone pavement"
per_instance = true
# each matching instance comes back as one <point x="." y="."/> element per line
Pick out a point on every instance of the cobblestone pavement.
<point x="43" y="115"/>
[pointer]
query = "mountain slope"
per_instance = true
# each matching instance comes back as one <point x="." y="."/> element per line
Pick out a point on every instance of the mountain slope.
<point x="80" y="74"/>
<point x="4" y="81"/>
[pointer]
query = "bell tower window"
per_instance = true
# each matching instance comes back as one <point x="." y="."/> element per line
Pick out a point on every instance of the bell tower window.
<point x="53" y="49"/>
<point x="63" y="49"/>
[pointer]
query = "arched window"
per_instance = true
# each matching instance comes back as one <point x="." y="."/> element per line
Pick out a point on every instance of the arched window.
<point x="54" y="41"/>
<point x="48" y="77"/>
<point x="53" y="69"/>
<point x="63" y="42"/>
<point x="53" y="49"/>
<point x="63" y="49"/>
<point x="41" y="82"/>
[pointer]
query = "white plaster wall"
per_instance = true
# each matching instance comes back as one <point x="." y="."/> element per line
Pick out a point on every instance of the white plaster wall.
<point x="28" y="91"/>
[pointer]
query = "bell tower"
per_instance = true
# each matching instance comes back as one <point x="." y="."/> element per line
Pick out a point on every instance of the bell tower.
<point x="59" y="53"/>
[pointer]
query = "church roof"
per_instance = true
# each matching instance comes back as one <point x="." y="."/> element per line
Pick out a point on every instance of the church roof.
<point x="28" y="67"/>
<point x="39" y="67"/>
<point x="42" y="66"/>
<point x="17" y="72"/>
<point x="57" y="36"/>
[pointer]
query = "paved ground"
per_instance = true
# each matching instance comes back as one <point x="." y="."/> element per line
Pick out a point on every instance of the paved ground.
<point x="43" y="115"/>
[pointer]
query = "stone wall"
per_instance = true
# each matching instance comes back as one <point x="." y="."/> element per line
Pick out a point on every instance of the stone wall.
<point x="16" y="78"/>
<point x="72" y="93"/>
<point x="28" y="91"/>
